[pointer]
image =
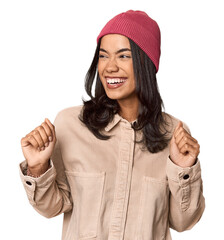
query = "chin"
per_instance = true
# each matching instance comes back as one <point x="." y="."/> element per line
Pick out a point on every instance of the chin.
<point x="115" y="96"/>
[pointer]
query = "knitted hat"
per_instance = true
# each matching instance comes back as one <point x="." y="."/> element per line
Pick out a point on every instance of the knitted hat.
<point x="140" y="28"/>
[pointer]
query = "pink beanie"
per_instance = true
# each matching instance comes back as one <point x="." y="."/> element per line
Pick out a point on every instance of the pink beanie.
<point x="140" y="28"/>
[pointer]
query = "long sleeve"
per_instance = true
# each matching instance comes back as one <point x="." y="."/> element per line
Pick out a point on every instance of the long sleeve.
<point x="186" y="196"/>
<point x="49" y="194"/>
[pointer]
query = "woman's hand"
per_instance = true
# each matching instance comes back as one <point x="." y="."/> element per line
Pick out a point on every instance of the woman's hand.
<point x="37" y="147"/>
<point x="184" y="149"/>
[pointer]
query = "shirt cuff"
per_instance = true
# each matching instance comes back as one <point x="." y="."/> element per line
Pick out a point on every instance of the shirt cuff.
<point x="31" y="183"/>
<point x="182" y="182"/>
<point x="183" y="175"/>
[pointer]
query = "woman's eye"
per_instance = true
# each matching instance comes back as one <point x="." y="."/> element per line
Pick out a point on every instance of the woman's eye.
<point x="124" y="56"/>
<point x="102" y="56"/>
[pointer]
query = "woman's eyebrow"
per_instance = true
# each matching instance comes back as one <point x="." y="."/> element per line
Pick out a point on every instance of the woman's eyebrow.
<point x="123" y="50"/>
<point x="119" y="51"/>
<point x="103" y="50"/>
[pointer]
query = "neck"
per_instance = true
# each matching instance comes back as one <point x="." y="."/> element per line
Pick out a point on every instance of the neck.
<point x="129" y="109"/>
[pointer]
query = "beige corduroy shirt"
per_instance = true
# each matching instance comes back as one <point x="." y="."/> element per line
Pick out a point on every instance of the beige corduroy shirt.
<point x="114" y="189"/>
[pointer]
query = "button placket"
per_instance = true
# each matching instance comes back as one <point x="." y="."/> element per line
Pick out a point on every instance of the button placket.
<point x="122" y="186"/>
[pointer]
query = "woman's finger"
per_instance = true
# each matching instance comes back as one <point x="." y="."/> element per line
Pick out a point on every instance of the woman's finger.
<point x="52" y="127"/>
<point x="182" y="133"/>
<point x="38" y="138"/>
<point x="43" y="135"/>
<point x="47" y="130"/>
<point x="29" y="140"/>
<point x="178" y="128"/>
<point x="187" y="139"/>
<point x="188" y="149"/>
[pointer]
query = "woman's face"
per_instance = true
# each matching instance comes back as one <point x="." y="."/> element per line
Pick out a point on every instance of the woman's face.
<point x="115" y="67"/>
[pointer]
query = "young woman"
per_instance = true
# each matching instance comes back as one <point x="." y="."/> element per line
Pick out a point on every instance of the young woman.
<point x="120" y="167"/>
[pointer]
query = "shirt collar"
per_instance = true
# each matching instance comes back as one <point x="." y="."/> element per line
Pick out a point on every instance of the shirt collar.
<point x="113" y="123"/>
<point x="117" y="118"/>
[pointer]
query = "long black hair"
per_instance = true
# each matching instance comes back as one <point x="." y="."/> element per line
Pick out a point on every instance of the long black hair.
<point x="100" y="110"/>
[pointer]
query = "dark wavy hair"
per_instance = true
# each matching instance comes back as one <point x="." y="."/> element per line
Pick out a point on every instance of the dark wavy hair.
<point x="100" y="110"/>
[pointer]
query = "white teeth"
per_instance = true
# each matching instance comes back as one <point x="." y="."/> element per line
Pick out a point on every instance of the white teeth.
<point x="115" y="80"/>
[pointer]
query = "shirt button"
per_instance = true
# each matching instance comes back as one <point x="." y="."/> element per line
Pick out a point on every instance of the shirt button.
<point x="28" y="183"/>
<point x="185" y="177"/>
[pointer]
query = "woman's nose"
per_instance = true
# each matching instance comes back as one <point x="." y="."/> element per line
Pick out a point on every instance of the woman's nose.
<point x="112" y="66"/>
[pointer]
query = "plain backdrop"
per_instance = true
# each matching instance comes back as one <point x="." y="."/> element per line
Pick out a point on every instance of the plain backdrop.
<point x="46" y="48"/>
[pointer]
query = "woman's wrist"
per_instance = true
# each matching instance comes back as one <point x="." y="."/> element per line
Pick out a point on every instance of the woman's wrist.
<point x="38" y="170"/>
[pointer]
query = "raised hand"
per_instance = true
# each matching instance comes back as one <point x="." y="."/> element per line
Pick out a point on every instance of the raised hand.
<point x="184" y="149"/>
<point x="37" y="147"/>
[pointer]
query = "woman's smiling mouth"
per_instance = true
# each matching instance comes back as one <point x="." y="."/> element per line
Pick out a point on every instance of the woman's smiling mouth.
<point x="115" y="82"/>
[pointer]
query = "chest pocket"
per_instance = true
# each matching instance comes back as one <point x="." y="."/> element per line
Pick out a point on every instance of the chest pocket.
<point x="87" y="192"/>
<point x="153" y="209"/>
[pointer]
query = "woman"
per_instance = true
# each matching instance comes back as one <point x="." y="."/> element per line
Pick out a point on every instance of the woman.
<point x="120" y="168"/>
